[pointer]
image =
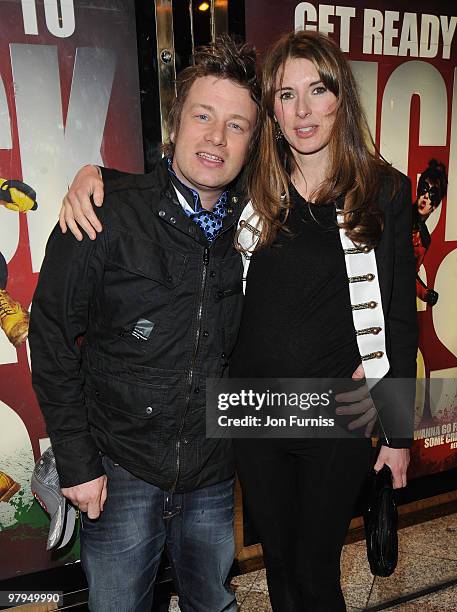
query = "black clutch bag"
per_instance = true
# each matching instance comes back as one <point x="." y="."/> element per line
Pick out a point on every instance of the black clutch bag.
<point x="380" y="521"/>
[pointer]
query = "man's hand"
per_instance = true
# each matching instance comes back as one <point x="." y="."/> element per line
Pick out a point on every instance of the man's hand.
<point x="362" y="404"/>
<point x="77" y="207"/>
<point x="398" y="460"/>
<point x="89" y="496"/>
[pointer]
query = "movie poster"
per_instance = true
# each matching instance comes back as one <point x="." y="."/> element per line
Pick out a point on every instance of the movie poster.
<point x="69" y="96"/>
<point x="404" y="57"/>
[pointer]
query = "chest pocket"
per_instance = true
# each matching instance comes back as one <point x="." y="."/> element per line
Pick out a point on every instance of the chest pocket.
<point x="140" y="285"/>
<point x="148" y="259"/>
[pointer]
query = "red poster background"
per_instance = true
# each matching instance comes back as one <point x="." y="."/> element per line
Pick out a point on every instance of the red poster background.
<point x="102" y="25"/>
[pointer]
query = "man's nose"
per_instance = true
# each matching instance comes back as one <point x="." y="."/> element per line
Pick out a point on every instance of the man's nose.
<point x="216" y="134"/>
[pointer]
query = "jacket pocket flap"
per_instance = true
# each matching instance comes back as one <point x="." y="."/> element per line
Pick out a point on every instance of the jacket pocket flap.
<point x="148" y="259"/>
<point x="132" y="398"/>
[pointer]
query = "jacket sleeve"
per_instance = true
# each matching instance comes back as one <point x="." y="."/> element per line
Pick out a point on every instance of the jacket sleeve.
<point x="402" y="315"/>
<point x="59" y="318"/>
<point x="111" y="174"/>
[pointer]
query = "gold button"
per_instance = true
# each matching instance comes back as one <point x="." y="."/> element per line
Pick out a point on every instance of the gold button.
<point x="242" y="223"/>
<point x="234" y="199"/>
<point x="379" y="354"/>
<point x="372" y="304"/>
<point x="366" y="249"/>
<point x="370" y="277"/>
<point x="376" y="330"/>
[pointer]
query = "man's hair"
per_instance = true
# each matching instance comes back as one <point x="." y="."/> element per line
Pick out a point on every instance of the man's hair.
<point x="223" y="59"/>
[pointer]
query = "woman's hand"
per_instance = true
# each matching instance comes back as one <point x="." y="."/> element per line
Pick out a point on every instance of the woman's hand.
<point x="398" y="460"/>
<point x="361" y="404"/>
<point x="77" y="208"/>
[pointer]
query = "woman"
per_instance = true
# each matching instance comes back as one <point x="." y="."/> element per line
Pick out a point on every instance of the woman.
<point x="297" y="318"/>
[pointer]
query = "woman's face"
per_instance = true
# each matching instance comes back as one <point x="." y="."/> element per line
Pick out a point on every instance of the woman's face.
<point x="305" y="109"/>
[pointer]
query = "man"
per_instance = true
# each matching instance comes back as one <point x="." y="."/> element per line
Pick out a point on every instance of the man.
<point x="124" y="332"/>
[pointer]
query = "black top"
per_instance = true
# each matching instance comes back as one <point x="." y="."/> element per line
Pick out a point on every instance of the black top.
<point x="297" y="320"/>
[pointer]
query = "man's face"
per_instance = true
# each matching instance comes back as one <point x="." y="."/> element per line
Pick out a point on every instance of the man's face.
<point x="217" y="123"/>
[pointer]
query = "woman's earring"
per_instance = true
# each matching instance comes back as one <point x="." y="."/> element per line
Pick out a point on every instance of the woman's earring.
<point x="277" y="133"/>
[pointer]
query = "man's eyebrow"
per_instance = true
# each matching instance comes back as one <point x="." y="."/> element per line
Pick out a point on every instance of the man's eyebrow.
<point x="212" y="109"/>
<point x="201" y="105"/>
<point x="240" y="117"/>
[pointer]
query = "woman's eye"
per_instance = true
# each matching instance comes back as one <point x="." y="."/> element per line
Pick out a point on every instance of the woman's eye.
<point x="202" y="117"/>
<point x="236" y="126"/>
<point x="286" y="95"/>
<point x="319" y="90"/>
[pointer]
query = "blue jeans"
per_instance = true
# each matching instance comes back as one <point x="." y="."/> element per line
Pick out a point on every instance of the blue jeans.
<point x="121" y="550"/>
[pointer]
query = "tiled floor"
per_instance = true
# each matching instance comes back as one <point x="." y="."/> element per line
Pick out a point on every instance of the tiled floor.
<point x="428" y="556"/>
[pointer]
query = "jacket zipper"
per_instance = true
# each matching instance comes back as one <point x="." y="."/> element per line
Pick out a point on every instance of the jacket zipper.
<point x="190" y="374"/>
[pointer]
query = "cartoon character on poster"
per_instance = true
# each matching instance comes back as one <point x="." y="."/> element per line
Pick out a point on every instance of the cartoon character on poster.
<point x="14" y="318"/>
<point x="431" y="189"/>
<point x="14" y="321"/>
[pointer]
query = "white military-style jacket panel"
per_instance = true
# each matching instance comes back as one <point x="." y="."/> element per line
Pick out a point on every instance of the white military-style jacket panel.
<point x="364" y="291"/>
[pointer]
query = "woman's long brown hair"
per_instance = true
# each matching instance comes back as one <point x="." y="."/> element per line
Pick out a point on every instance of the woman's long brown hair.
<point x="355" y="171"/>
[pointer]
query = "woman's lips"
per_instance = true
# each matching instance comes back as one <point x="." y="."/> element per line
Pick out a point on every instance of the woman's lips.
<point x="306" y="132"/>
